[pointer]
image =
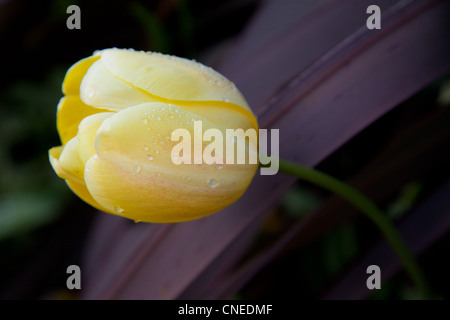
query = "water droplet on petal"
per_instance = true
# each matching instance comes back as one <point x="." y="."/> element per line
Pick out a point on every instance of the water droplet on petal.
<point x="118" y="209"/>
<point x="91" y="93"/>
<point x="144" y="121"/>
<point x="137" y="169"/>
<point x="219" y="166"/>
<point x="149" y="157"/>
<point x="156" y="151"/>
<point x="145" y="148"/>
<point x="157" y="174"/>
<point x="212" y="183"/>
<point x="158" y="118"/>
<point x="188" y="178"/>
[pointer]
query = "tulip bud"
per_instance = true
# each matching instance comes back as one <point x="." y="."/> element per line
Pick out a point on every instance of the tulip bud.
<point x="116" y="122"/>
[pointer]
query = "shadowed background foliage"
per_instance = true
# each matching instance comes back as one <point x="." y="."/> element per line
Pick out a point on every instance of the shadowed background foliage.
<point x="400" y="159"/>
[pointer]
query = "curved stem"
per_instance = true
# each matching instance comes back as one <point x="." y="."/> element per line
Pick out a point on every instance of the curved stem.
<point x="369" y="209"/>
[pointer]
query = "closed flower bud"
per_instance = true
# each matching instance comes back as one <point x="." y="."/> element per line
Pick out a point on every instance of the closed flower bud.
<point x="116" y="123"/>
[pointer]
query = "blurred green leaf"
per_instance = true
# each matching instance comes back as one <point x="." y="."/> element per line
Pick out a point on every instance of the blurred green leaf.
<point x="20" y="213"/>
<point x="153" y="28"/>
<point x="299" y="201"/>
<point x="405" y="201"/>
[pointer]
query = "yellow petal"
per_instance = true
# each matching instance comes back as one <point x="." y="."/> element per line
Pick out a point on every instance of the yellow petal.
<point x="171" y="77"/>
<point x="100" y="88"/>
<point x="70" y="163"/>
<point x="226" y="115"/>
<point x="71" y="110"/>
<point x="87" y="131"/>
<point x="54" y="154"/>
<point x="134" y="175"/>
<point x="72" y="80"/>
<point x="82" y="192"/>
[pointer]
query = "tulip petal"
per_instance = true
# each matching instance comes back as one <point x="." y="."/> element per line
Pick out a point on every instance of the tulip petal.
<point x="223" y="114"/>
<point x="101" y="89"/>
<point x="171" y="77"/>
<point x="72" y="80"/>
<point x="54" y="154"/>
<point x="87" y="131"/>
<point x="82" y="192"/>
<point x="134" y="175"/>
<point x="70" y="163"/>
<point x="71" y="110"/>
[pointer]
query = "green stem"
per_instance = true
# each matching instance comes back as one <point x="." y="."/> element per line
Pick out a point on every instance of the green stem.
<point x="369" y="209"/>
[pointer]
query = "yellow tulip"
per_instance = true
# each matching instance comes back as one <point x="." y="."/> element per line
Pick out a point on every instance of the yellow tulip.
<point x="115" y="122"/>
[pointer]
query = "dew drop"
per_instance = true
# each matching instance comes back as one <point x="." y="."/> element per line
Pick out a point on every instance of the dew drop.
<point x="137" y="169"/>
<point x="188" y="178"/>
<point x="219" y="166"/>
<point x="156" y="151"/>
<point x="212" y="183"/>
<point x="91" y="93"/>
<point x="158" y="118"/>
<point x="149" y="157"/>
<point x="118" y="209"/>
<point x="157" y="174"/>
<point x="145" y="148"/>
<point x="144" y="121"/>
